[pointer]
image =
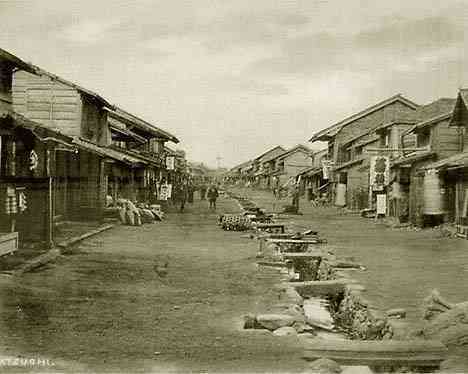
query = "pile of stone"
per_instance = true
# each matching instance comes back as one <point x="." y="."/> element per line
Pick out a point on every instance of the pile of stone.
<point x="286" y="318"/>
<point x="290" y="322"/>
<point x="445" y="321"/>
<point x="359" y="319"/>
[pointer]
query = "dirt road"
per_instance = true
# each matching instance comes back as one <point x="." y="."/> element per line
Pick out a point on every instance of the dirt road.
<point x="108" y="306"/>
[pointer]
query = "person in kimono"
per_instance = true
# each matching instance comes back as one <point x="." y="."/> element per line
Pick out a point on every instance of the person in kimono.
<point x="212" y="196"/>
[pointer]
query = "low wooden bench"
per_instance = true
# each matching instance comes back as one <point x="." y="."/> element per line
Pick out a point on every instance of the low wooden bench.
<point x="303" y="255"/>
<point x="319" y="288"/>
<point x="294" y="241"/>
<point x="274" y="227"/>
<point x="294" y="245"/>
<point x="383" y="353"/>
<point x="305" y="264"/>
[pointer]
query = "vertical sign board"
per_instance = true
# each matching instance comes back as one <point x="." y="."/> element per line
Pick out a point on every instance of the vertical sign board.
<point x="379" y="172"/>
<point x="170" y="162"/>
<point x="326" y="168"/>
<point x="381" y="204"/>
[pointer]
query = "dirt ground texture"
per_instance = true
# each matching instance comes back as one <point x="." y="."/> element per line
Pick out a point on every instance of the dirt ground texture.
<point x="108" y="306"/>
<point x="403" y="265"/>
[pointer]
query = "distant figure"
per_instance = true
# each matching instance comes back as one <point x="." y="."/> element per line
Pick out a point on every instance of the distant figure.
<point x="190" y="192"/>
<point x="212" y="196"/>
<point x="181" y="195"/>
<point x="295" y="198"/>
<point x="203" y="191"/>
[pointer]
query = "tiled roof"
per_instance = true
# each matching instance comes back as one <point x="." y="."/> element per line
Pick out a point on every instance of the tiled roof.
<point x="142" y="124"/>
<point x="333" y="130"/>
<point x="278" y="147"/>
<point x="17" y="62"/>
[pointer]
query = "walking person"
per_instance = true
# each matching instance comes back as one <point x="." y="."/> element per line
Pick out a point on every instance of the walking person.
<point x="190" y="191"/>
<point x="295" y="198"/>
<point x="212" y="196"/>
<point x="182" y="194"/>
<point x="203" y="191"/>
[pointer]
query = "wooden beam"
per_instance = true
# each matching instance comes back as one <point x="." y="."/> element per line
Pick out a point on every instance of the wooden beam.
<point x="412" y="353"/>
<point x="319" y="288"/>
<point x="302" y="255"/>
<point x="293" y="241"/>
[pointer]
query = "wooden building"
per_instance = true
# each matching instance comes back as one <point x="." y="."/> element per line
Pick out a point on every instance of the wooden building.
<point x="348" y="141"/>
<point x="452" y="171"/>
<point x="428" y="140"/>
<point x="27" y="165"/>
<point x="288" y="164"/>
<point x="137" y="138"/>
<point x="119" y="154"/>
<point x="261" y="166"/>
<point x="60" y="105"/>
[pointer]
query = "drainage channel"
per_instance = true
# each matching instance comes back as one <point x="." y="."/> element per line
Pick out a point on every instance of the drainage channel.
<point x="320" y="303"/>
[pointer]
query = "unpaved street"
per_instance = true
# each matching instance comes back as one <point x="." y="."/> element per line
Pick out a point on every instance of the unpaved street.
<point x="108" y="306"/>
<point x="111" y="304"/>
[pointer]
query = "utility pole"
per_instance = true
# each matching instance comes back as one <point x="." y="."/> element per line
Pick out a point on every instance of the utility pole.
<point x="218" y="161"/>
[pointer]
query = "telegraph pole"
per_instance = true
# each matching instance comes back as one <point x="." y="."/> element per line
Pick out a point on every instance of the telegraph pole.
<point x="218" y="161"/>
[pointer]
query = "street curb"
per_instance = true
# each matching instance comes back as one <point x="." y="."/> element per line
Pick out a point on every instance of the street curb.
<point x="38" y="261"/>
<point x="55" y="252"/>
<point x="76" y="239"/>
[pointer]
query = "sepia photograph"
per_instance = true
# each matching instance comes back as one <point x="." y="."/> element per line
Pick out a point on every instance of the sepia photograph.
<point x="232" y="186"/>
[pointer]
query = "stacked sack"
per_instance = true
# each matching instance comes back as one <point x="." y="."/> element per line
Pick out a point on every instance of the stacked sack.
<point x="132" y="215"/>
<point x="235" y="222"/>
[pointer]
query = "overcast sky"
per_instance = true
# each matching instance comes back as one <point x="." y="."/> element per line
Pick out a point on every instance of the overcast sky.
<point x="231" y="78"/>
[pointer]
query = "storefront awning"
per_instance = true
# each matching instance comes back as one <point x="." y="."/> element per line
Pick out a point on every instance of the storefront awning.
<point x="38" y="130"/>
<point x="457" y="161"/>
<point x="107" y="152"/>
<point x="125" y="134"/>
<point x="408" y="160"/>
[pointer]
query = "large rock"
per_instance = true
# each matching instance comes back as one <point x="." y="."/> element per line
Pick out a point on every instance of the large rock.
<point x="285" y="331"/>
<point x="250" y="321"/>
<point x="396" y="313"/>
<point x="324" y="366"/>
<point x="290" y="295"/>
<point x="451" y="326"/>
<point x="275" y="321"/>
<point x="302" y="327"/>
<point x="317" y="315"/>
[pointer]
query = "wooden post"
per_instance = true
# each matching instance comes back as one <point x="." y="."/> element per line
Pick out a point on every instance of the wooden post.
<point x="102" y="189"/>
<point x="132" y="184"/>
<point x="49" y="214"/>
<point x="457" y="199"/>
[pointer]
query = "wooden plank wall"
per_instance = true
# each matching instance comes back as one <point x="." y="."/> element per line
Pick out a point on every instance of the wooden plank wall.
<point x="44" y="100"/>
<point x="446" y="140"/>
<point x="5" y="86"/>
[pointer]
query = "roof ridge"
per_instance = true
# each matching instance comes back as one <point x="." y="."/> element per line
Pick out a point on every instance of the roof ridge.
<point x="368" y="110"/>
